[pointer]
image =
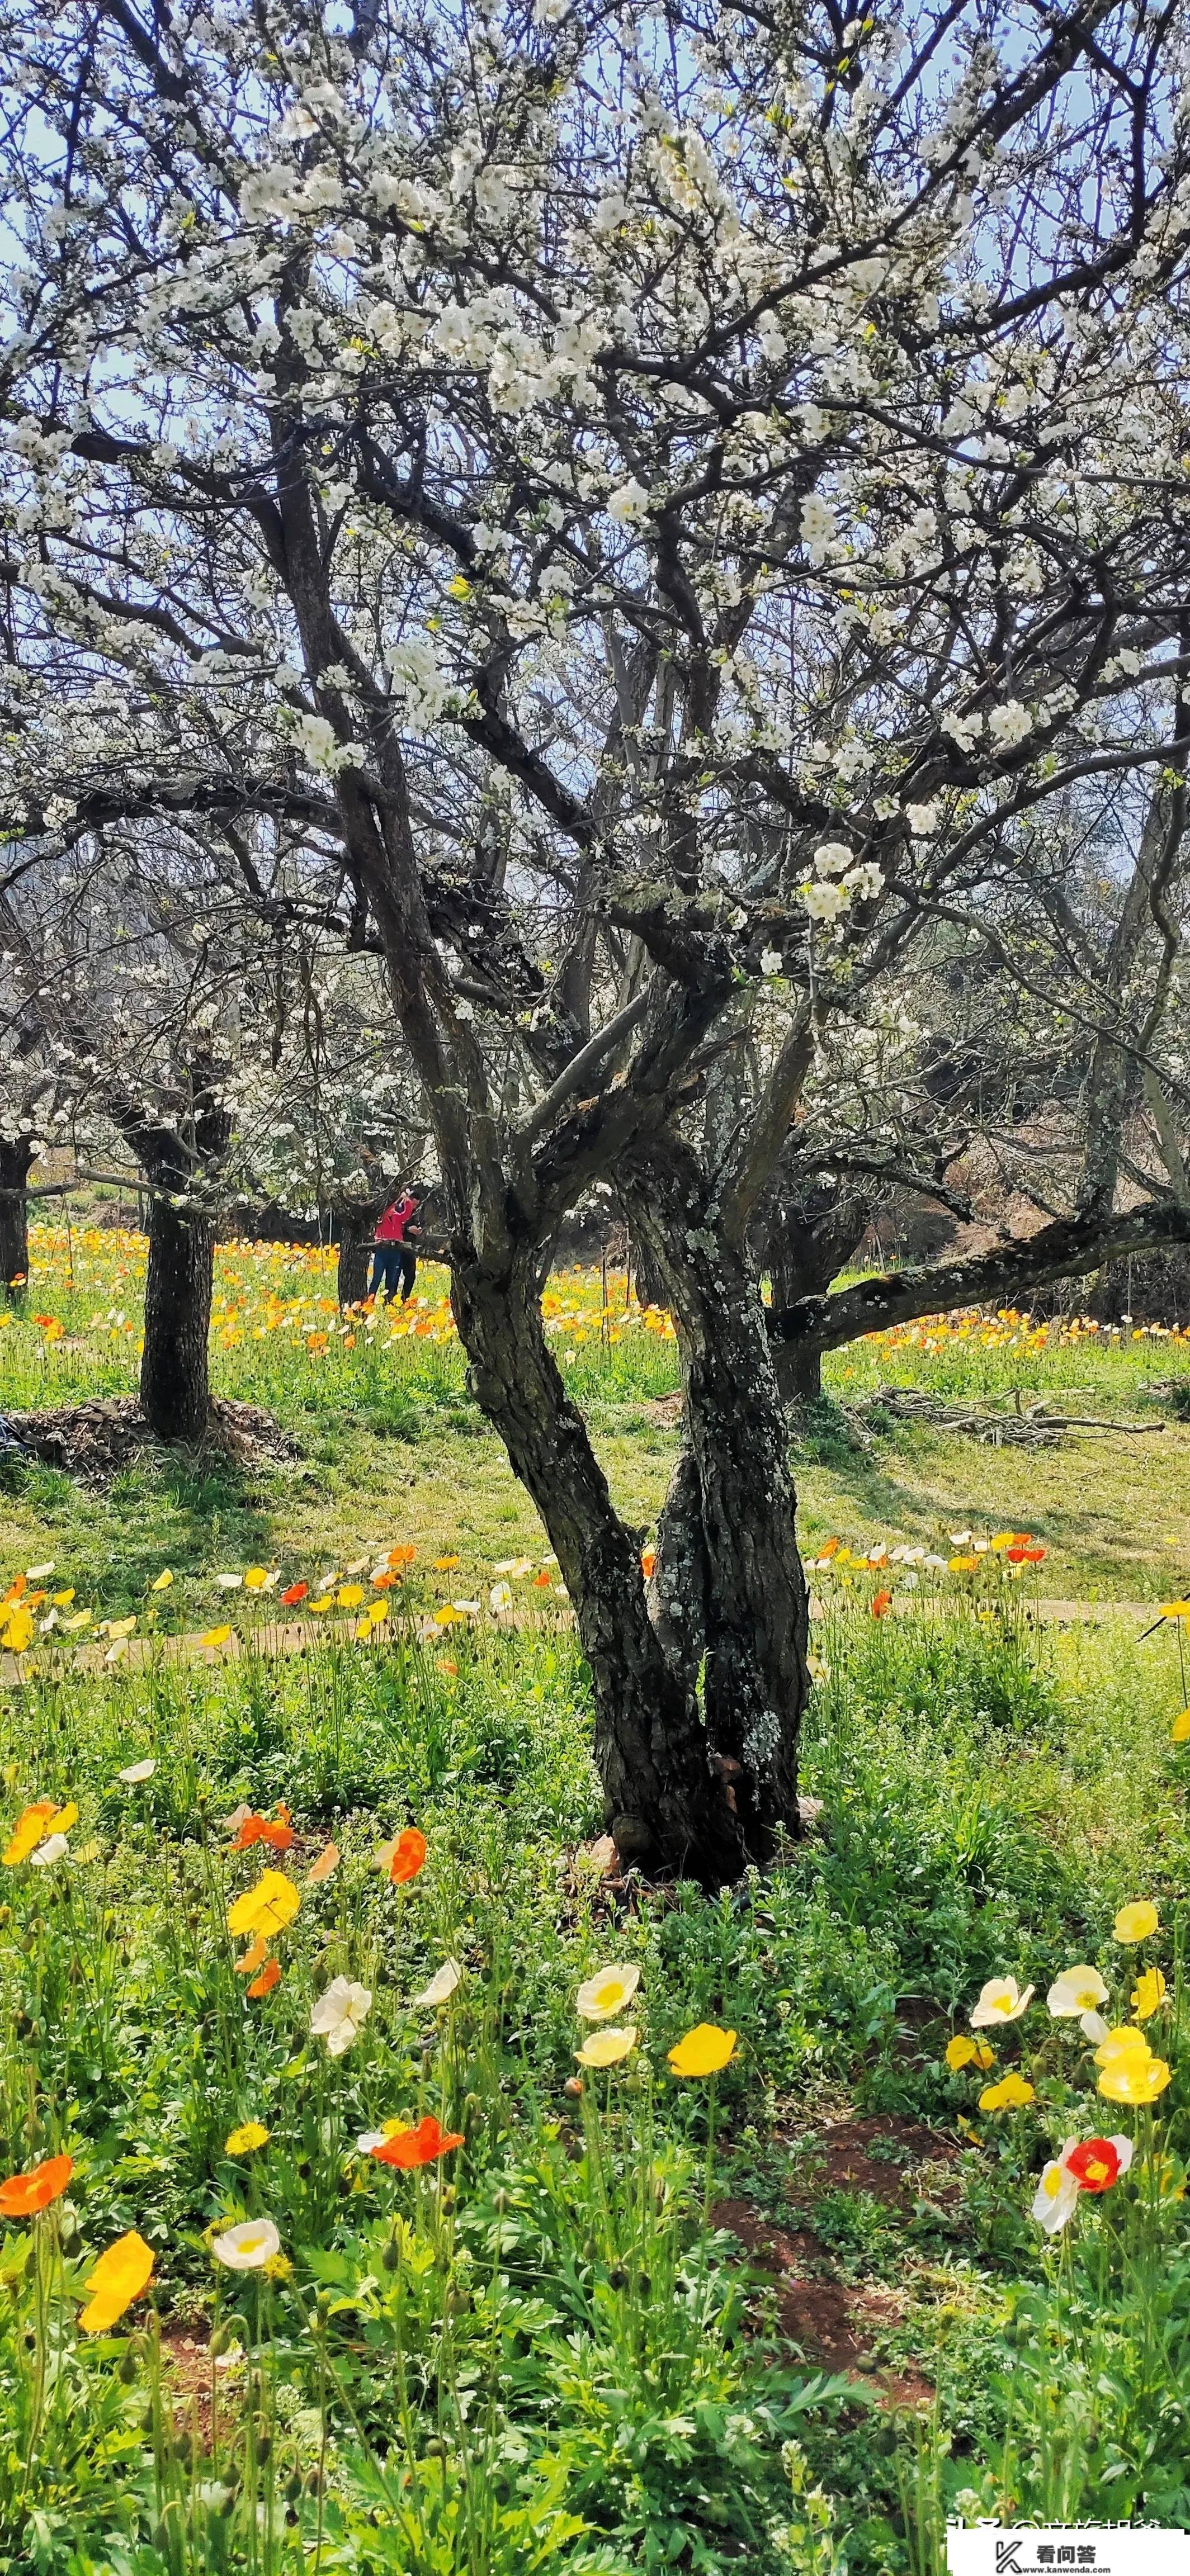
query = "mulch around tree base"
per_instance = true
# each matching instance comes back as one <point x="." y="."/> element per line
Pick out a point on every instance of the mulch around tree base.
<point x="96" y="1440"/>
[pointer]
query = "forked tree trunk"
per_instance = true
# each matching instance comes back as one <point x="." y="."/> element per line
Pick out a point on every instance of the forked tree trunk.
<point x="663" y="1803"/>
<point x="753" y="1610"/>
<point x="16" y="1155"/>
<point x="174" y="1377"/>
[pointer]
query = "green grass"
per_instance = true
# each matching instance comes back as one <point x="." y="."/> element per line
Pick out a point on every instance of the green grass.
<point x="544" y="2350"/>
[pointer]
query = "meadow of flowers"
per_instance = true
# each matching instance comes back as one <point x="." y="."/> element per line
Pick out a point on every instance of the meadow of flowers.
<point x="380" y="2182"/>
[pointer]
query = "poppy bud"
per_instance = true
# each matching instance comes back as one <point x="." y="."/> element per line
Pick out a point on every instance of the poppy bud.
<point x="390" y="2255"/>
<point x="128" y="2367"/>
<point x="293" y="2486"/>
<point x="435" y="2447"/>
<point x="262" y="2448"/>
<point x="220" y="2340"/>
<point x="617" y="2278"/>
<point x="573" y="2086"/>
<point x="448" y="2195"/>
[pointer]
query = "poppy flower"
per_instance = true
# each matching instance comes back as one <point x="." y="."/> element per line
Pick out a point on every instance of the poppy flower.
<point x="267" y="1907"/>
<point x="119" y="2277"/>
<point x="1011" y="2093"/>
<point x="278" y="1833"/>
<point x="328" y="1860"/>
<point x="608" y="2047"/>
<point x="703" y="2050"/>
<point x="1179" y="1732"/>
<point x="1057" y="2193"/>
<point x="447" y="1564"/>
<point x="350" y="1596"/>
<point x="409" y="1856"/>
<point x="340" y="2013"/>
<point x="269" y="1977"/>
<point x="248" y="2247"/>
<point x="134" y="1772"/>
<point x="881" y="1604"/>
<point x="440" y="1988"/>
<point x="214" y="1637"/>
<point x="1135" y="2078"/>
<point x="605" y="1994"/>
<point x="1099" y="2162"/>
<point x="1148" y="1994"/>
<point x="24" y="2193"/>
<point x="961" y="2051"/>
<point x="1077" y="1994"/>
<point x="294" y="1593"/>
<point x="648" y="1562"/>
<point x="30" y="1829"/>
<point x="402" y="1556"/>
<point x="999" y="2000"/>
<point x="1135" y="1922"/>
<point x="253" y="1957"/>
<point x="421" y="2145"/>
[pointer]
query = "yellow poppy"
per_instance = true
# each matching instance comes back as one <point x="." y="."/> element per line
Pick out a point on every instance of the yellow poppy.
<point x="1179" y="1732"/>
<point x="1148" y="1993"/>
<point x="267" y="1907"/>
<point x="30" y="1829"/>
<point x="119" y="2277"/>
<point x="162" y="1581"/>
<point x="607" y="2047"/>
<point x="256" y="1578"/>
<point x="17" y="1629"/>
<point x="350" y="1596"/>
<point x="961" y="2051"/>
<point x="1010" y="2094"/>
<point x="1134" y="2079"/>
<point x="213" y="1637"/>
<point x="1135" y="1922"/>
<point x="250" y="2134"/>
<point x="703" y="2050"/>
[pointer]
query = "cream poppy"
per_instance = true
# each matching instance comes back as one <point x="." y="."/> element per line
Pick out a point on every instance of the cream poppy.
<point x="606" y="1993"/>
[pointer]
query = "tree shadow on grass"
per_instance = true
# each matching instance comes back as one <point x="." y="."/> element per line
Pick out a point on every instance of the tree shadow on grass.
<point x="195" y="1515"/>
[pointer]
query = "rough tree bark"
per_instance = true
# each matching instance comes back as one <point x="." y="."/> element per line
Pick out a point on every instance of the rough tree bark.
<point x="174" y="1379"/>
<point x="802" y="1239"/>
<point x="181" y="1160"/>
<point x="357" y="1227"/>
<point x="728" y="1554"/>
<point x="16" y="1155"/>
<point x="664" y="1804"/>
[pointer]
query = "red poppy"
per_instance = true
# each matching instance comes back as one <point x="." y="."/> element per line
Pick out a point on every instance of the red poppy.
<point x="26" y="2192"/>
<point x="269" y="1977"/>
<point x="1095" y="2165"/>
<point x="1034" y="1554"/>
<point x="296" y="1592"/>
<point x="278" y="1833"/>
<point x="881" y="1604"/>
<point x="409" y="1856"/>
<point x="421" y="2145"/>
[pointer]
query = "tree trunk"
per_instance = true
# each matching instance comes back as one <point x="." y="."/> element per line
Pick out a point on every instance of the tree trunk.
<point x="174" y="1379"/>
<point x="16" y="1155"/>
<point x="662" y="1802"/>
<point x="799" y="1374"/>
<point x="755" y="1608"/>
<point x="357" y="1226"/>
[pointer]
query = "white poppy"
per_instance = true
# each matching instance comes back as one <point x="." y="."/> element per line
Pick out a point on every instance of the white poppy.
<point x="53" y="1848"/>
<point x="1057" y="2193"/>
<point x="604" y="1995"/>
<point x="136" y="1772"/>
<point x="441" y="1987"/>
<point x="339" y="2014"/>
<point x="1000" y="2000"/>
<point x="248" y="2247"/>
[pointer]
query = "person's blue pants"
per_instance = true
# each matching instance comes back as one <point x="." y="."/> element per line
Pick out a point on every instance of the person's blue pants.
<point x="394" y="1267"/>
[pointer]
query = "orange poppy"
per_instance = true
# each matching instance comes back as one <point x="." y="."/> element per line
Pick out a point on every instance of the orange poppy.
<point x="398" y="1556"/>
<point x="328" y="1860"/>
<point x="269" y="1977"/>
<point x="277" y="1834"/>
<point x="409" y="1856"/>
<point x="24" y="2193"/>
<point x="648" y="1562"/>
<point x="421" y="2145"/>
<point x="881" y="1604"/>
<point x="248" y="1965"/>
<point x="296" y="1592"/>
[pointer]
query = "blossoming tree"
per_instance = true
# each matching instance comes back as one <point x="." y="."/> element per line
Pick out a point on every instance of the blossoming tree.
<point x="654" y="503"/>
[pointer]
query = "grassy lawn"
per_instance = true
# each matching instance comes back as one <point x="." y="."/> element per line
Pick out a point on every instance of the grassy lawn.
<point x="786" y="2317"/>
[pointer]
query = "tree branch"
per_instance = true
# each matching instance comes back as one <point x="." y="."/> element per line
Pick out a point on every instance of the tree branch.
<point x="1066" y="1249"/>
